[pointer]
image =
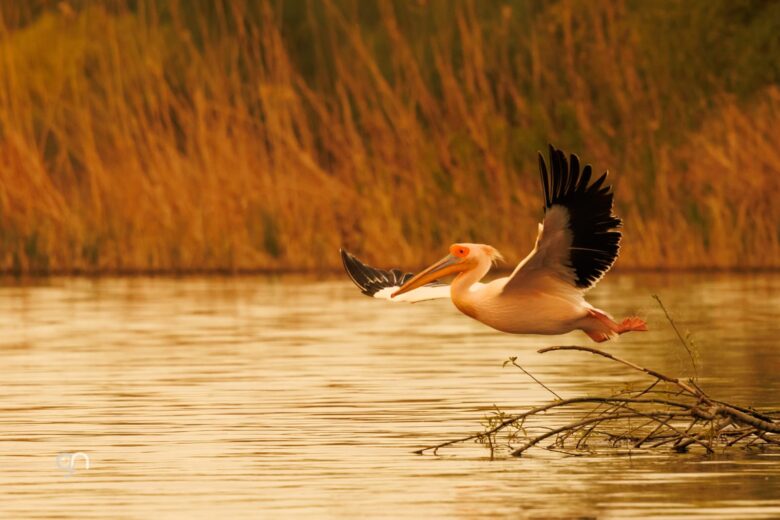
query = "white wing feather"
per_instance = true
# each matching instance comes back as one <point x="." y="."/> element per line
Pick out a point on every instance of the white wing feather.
<point x="421" y="294"/>
<point x="550" y="255"/>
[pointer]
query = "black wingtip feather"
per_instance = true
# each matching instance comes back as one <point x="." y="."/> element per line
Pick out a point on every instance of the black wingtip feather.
<point x="545" y="183"/>
<point x="574" y="173"/>
<point x="369" y="279"/>
<point x="585" y="178"/>
<point x="595" y="239"/>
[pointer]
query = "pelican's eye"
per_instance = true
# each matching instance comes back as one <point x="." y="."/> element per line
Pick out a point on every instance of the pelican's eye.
<point x="459" y="251"/>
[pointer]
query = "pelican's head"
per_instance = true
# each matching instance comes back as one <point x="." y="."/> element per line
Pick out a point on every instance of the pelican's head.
<point x="462" y="257"/>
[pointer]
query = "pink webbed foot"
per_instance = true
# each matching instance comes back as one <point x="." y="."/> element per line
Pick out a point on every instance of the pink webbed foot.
<point x="632" y="324"/>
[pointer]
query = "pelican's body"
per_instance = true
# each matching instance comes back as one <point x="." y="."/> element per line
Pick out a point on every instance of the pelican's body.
<point x="577" y="244"/>
<point x="548" y="309"/>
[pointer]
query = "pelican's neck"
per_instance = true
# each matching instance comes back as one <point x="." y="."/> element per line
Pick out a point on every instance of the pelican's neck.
<point x="461" y="285"/>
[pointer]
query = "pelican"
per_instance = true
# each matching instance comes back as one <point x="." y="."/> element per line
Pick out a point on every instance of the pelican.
<point x="578" y="241"/>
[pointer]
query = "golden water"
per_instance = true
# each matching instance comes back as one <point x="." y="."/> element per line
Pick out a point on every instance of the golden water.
<point x="264" y="398"/>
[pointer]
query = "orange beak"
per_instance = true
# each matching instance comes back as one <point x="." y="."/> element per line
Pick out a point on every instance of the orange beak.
<point x="448" y="265"/>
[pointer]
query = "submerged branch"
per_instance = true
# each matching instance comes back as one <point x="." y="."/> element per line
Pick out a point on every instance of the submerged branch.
<point x="670" y="411"/>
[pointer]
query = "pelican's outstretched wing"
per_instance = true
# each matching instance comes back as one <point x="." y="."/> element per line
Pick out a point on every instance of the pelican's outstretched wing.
<point x="578" y="240"/>
<point x="378" y="283"/>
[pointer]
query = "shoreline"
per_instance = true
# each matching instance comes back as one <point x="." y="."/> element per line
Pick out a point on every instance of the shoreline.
<point x="330" y="272"/>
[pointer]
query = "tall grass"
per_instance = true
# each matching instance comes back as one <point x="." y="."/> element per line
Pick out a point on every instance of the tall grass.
<point x="239" y="135"/>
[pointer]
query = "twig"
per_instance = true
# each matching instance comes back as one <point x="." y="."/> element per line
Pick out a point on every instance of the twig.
<point x="691" y="390"/>
<point x="536" y="440"/>
<point x="609" y="410"/>
<point x="526" y="372"/>
<point x="638" y="444"/>
<point x="678" y="432"/>
<point x="679" y="335"/>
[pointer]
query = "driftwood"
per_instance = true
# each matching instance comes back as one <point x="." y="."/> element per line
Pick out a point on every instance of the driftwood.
<point x="670" y="413"/>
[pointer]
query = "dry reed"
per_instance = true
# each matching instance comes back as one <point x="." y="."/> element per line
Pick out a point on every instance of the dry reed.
<point x="179" y="136"/>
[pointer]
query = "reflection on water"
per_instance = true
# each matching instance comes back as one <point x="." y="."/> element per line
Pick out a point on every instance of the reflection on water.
<point x="250" y="397"/>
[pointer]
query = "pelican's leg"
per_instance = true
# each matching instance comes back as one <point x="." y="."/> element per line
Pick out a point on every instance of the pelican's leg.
<point x="600" y="327"/>
<point x="598" y="337"/>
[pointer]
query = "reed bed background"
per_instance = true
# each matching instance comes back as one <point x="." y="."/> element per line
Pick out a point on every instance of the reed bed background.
<point x="241" y="135"/>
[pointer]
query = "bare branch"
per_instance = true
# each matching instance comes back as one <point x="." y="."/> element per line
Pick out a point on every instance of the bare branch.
<point x="688" y="388"/>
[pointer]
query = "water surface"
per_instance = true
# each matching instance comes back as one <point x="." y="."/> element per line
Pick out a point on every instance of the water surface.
<point x="262" y="398"/>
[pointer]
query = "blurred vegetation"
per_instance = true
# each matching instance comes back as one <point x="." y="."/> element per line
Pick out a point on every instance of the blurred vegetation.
<point x="151" y="135"/>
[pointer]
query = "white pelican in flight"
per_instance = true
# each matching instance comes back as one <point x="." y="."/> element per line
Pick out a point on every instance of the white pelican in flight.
<point x="578" y="242"/>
